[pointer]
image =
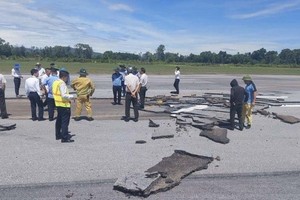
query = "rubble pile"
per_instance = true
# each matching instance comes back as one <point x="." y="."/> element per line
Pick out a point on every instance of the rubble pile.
<point x="210" y="114"/>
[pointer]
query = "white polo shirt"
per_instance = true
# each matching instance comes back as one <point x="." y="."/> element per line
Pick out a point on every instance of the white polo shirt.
<point x="2" y="81"/>
<point x="132" y="82"/>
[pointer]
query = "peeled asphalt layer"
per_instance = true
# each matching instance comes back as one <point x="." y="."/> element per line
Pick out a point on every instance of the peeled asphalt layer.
<point x="106" y="149"/>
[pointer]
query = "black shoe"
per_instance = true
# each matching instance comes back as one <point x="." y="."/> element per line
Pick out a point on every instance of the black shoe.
<point x="41" y="119"/>
<point x="34" y="119"/>
<point x="76" y="118"/>
<point x="113" y="103"/>
<point x="135" y="119"/>
<point x="120" y="104"/>
<point x="90" y="119"/>
<point x="231" y="128"/>
<point x="248" y="126"/>
<point x="66" y="141"/>
<point x="126" y="119"/>
<point x="4" y="117"/>
<point x="52" y="119"/>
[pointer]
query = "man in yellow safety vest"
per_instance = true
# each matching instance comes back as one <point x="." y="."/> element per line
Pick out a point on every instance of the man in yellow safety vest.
<point x="62" y="100"/>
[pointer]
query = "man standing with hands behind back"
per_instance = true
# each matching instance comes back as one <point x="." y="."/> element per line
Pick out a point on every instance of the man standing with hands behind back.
<point x="132" y="87"/>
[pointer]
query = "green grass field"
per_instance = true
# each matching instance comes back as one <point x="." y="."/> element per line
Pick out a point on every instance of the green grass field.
<point x="156" y="68"/>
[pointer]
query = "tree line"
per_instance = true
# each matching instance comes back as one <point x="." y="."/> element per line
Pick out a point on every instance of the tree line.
<point x="84" y="53"/>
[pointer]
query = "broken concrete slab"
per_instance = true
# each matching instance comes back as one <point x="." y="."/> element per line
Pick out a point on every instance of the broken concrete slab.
<point x="7" y="127"/>
<point x="287" y="118"/>
<point x="216" y="134"/>
<point x="263" y="112"/>
<point x="135" y="183"/>
<point x="158" y="134"/>
<point x="191" y="108"/>
<point x="153" y="124"/>
<point x="163" y="176"/>
<point x="174" y="168"/>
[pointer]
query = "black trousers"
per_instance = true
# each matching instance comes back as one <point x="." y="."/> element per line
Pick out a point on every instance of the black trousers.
<point x="35" y="100"/>
<point x="236" y="109"/>
<point x="142" y="96"/>
<point x="134" y="100"/>
<point x="62" y="123"/>
<point x="2" y="103"/>
<point x="176" y="85"/>
<point x="123" y="88"/>
<point x="17" y="82"/>
<point x="117" y="90"/>
<point x="51" y="107"/>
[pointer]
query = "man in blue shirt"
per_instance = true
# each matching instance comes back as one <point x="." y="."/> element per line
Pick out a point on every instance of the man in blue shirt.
<point x="117" y="79"/>
<point x="50" y="100"/>
<point x="249" y="101"/>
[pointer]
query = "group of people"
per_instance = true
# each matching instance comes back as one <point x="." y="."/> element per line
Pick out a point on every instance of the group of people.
<point x="242" y="101"/>
<point x="126" y="82"/>
<point x="133" y="85"/>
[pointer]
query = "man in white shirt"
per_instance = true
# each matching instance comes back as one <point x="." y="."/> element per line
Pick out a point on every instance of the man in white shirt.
<point x="16" y="73"/>
<point x="177" y="80"/>
<point x="132" y="87"/>
<point x="143" y="85"/>
<point x="2" y="97"/>
<point x="33" y="92"/>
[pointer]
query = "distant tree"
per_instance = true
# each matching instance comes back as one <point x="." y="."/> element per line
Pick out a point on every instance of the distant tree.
<point x="287" y="56"/>
<point x="5" y="48"/>
<point x="297" y="56"/>
<point x="160" y="52"/>
<point x="83" y="51"/>
<point x="259" y="55"/>
<point x="271" y="57"/>
<point x="223" y="57"/>
<point x="171" y="57"/>
<point x="19" y="51"/>
<point x="147" y="57"/>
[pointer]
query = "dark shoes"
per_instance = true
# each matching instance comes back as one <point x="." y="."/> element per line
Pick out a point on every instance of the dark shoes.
<point x="66" y="141"/>
<point x="76" y="118"/>
<point x="41" y="119"/>
<point x="135" y="119"/>
<point x="90" y="119"/>
<point x="4" y="117"/>
<point x="126" y="119"/>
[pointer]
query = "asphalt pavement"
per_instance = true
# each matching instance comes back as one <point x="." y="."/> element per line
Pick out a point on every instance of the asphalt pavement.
<point x="105" y="149"/>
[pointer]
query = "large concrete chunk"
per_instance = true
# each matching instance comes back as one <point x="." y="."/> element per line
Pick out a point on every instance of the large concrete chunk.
<point x="216" y="134"/>
<point x="287" y="118"/>
<point x="164" y="175"/>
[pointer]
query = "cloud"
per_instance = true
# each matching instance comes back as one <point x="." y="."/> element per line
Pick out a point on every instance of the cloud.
<point x="119" y="6"/>
<point x="271" y="10"/>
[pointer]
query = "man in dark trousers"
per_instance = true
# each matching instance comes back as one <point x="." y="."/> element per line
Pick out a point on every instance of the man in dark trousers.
<point x="33" y="92"/>
<point x="117" y="79"/>
<point x="132" y="88"/>
<point x="237" y="96"/>
<point x="2" y="97"/>
<point x="62" y="100"/>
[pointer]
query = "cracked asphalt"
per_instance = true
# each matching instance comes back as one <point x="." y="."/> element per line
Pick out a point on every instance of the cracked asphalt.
<point x="105" y="148"/>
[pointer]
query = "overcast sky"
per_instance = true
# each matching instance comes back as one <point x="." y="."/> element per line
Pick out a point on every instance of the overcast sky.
<point x="134" y="26"/>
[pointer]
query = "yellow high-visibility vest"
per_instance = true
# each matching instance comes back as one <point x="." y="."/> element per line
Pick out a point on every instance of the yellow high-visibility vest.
<point x="59" y="101"/>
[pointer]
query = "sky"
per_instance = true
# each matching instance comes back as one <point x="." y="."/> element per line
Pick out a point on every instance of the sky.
<point x="139" y="26"/>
